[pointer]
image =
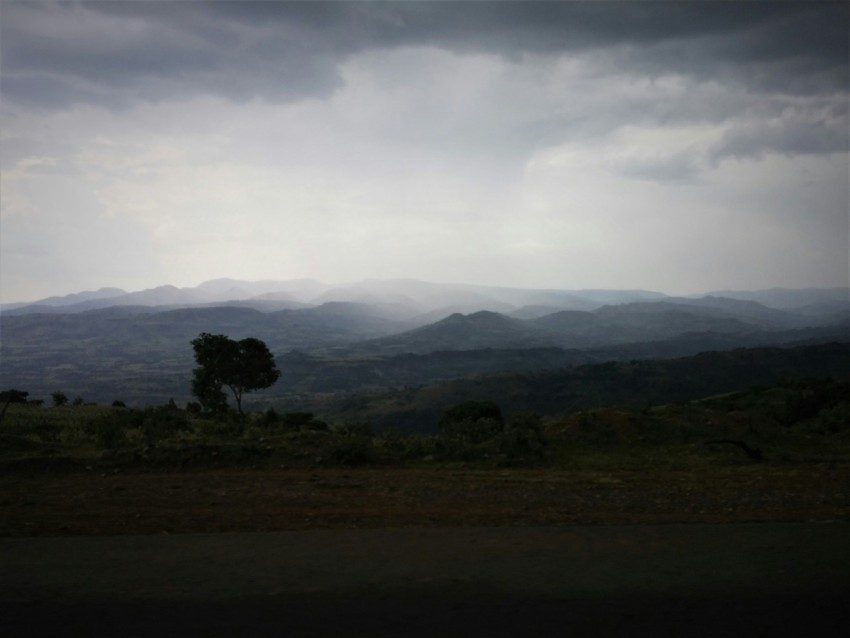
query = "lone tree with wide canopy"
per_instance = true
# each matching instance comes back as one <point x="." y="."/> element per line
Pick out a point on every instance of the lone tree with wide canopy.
<point x="242" y="366"/>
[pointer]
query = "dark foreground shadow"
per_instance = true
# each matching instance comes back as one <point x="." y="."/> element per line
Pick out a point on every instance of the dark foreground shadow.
<point x="430" y="614"/>
<point x="749" y="580"/>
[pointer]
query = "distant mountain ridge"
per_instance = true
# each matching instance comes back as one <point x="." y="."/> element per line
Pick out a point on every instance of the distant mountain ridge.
<point x="423" y="302"/>
<point x="788" y="298"/>
<point x="635" y="322"/>
<point x="71" y="300"/>
<point x="136" y="347"/>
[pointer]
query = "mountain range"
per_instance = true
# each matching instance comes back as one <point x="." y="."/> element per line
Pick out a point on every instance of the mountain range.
<point x="417" y="301"/>
<point x="110" y="344"/>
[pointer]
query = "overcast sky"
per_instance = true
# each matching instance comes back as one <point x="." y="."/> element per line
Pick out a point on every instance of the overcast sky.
<point x="680" y="147"/>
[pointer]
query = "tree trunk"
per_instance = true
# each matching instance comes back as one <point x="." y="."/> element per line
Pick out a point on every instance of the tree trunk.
<point x="237" y="394"/>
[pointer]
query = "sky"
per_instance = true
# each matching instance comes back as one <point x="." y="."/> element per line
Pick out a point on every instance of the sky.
<point x="671" y="146"/>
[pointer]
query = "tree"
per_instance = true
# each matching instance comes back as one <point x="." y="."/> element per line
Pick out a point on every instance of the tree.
<point x="13" y="396"/>
<point x="59" y="398"/>
<point x="472" y="421"/>
<point x="242" y="366"/>
<point x="8" y="397"/>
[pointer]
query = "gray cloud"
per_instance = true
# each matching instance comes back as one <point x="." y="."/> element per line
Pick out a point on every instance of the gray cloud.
<point x="524" y="143"/>
<point x="118" y="52"/>
<point x="791" y="132"/>
<point x="676" y="167"/>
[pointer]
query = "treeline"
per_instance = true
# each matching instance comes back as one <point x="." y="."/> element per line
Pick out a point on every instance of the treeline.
<point x="636" y="384"/>
<point x="802" y="420"/>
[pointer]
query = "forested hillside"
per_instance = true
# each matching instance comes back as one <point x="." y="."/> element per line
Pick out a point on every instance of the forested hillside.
<point x="380" y="335"/>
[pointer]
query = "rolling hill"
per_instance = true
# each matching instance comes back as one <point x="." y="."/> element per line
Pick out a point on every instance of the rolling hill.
<point x="140" y="353"/>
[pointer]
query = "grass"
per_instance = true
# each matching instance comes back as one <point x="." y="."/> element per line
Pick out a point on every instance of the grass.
<point x="793" y="424"/>
<point x="103" y="470"/>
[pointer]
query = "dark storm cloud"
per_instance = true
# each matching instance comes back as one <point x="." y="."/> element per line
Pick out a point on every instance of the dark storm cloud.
<point x="117" y="53"/>
<point x="793" y="132"/>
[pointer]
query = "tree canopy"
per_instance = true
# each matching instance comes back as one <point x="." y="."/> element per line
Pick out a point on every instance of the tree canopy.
<point x="472" y="421"/>
<point x="242" y="366"/>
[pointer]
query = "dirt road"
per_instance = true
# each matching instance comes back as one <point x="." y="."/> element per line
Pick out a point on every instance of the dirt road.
<point x="756" y="579"/>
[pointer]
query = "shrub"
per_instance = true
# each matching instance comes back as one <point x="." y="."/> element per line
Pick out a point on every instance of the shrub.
<point x="162" y="422"/>
<point x="472" y="432"/>
<point x="110" y="434"/>
<point x="522" y="441"/>
<point x="298" y="420"/>
<point x="151" y="425"/>
<point x="359" y="428"/>
<point x="59" y="398"/>
<point x="352" y="451"/>
<point x="270" y="417"/>
<point x="835" y="419"/>
<point x="471" y="411"/>
<point x="13" y="396"/>
<point x="471" y="422"/>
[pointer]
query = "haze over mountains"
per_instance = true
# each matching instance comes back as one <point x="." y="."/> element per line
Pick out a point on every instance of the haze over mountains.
<point x="409" y="299"/>
<point x="134" y="346"/>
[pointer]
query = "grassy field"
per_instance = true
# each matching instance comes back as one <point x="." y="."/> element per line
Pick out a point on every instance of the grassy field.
<point x="795" y="422"/>
<point x="769" y="454"/>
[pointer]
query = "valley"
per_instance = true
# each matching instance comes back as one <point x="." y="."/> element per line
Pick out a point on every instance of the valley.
<point x="332" y="342"/>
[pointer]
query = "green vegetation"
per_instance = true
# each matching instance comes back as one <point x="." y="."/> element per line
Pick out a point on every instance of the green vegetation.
<point x="242" y="366"/>
<point x="634" y="385"/>
<point x="771" y="405"/>
<point x="791" y="422"/>
<point x="140" y="355"/>
<point x="59" y="398"/>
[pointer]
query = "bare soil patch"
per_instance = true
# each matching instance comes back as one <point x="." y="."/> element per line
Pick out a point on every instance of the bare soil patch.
<point x="419" y="552"/>
<point x="233" y="500"/>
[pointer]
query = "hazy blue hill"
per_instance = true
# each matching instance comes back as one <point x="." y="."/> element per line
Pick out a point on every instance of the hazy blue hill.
<point x="428" y="296"/>
<point x="305" y="373"/>
<point x="445" y="312"/>
<point x="626" y="323"/>
<point x="606" y="297"/>
<point x="137" y="355"/>
<point x="837" y="299"/>
<point x="220" y="291"/>
<point x="746" y="310"/>
<point x="464" y="332"/>
<point x="261" y="304"/>
<point x="123" y="311"/>
<point x="364" y="298"/>
<point x="568" y="321"/>
<point x="644" y="321"/>
<point x="634" y="384"/>
<point x="80" y="300"/>
<point x="226" y="288"/>
<point x="72" y="299"/>
<point x="426" y="300"/>
<point x="220" y="319"/>
<point x="516" y="298"/>
<point x="393" y="315"/>
<point x="163" y="296"/>
<point x="574" y="329"/>
<point x="533" y="312"/>
<point x="712" y="322"/>
<point x="135" y="351"/>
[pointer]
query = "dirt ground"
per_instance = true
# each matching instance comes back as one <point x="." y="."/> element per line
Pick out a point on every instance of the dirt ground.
<point x="105" y="503"/>
<point x="744" y="551"/>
